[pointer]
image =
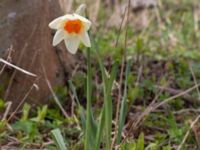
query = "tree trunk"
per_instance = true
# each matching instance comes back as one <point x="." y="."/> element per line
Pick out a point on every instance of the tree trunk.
<point x="24" y="27"/>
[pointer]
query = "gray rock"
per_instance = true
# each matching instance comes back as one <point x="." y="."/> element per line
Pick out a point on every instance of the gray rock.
<point x="24" y="26"/>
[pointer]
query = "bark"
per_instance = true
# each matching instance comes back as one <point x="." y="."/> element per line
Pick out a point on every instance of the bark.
<point x="24" y="27"/>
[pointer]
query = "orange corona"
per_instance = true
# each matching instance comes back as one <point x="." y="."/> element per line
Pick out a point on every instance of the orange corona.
<point x="73" y="26"/>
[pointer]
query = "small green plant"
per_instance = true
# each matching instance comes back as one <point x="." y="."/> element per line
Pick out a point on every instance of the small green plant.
<point x="175" y="132"/>
<point x="132" y="145"/>
<point x="25" y="112"/>
<point x="41" y="114"/>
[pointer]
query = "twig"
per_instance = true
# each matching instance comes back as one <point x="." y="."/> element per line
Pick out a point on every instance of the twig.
<point x="7" y="111"/>
<point x="20" y="104"/>
<point x="50" y="142"/>
<point x="141" y="118"/>
<point x="18" y="68"/>
<point x="153" y="107"/>
<point x="8" y="104"/>
<point x="120" y="28"/>
<point x="186" y="111"/>
<point x="195" y="129"/>
<point x="121" y="74"/>
<point x="188" y="132"/>
<point x="176" y="96"/>
<point x="73" y="103"/>
<point x="53" y="93"/>
<point x="8" y="59"/>
<point x="75" y="69"/>
<point x="18" y="61"/>
<point x="138" y="76"/>
<point x="185" y="96"/>
<point x="148" y="110"/>
<point x="195" y="81"/>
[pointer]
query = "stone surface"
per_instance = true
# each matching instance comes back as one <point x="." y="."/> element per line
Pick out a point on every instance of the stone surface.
<point x="24" y="27"/>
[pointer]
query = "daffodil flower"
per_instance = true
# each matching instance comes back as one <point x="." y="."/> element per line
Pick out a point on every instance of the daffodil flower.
<point x="73" y="29"/>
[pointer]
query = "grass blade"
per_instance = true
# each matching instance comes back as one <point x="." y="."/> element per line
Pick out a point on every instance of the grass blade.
<point x="90" y="132"/>
<point x="58" y="138"/>
<point x="107" y="88"/>
<point x="108" y="105"/>
<point x="81" y="110"/>
<point x="100" y="129"/>
<point x="123" y="109"/>
<point x="140" y="142"/>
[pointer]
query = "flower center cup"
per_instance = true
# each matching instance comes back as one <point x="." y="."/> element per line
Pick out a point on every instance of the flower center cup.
<point x="73" y="26"/>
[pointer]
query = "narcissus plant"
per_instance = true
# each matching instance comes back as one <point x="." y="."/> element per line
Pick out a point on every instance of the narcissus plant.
<point x="73" y="29"/>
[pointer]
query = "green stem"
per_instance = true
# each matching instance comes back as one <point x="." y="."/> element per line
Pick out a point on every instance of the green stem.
<point x="88" y="116"/>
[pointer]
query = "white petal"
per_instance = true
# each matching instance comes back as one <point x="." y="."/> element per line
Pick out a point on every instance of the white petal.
<point x="80" y="10"/>
<point x="85" y="39"/>
<point x="58" y="37"/>
<point x="55" y="23"/>
<point x="87" y="23"/>
<point x="68" y="17"/>
<point x="72" y="43"/>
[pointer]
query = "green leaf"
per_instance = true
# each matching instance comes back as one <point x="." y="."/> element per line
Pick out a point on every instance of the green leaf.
<point x="167" y="147"/>
<point x="129" y="145"/>
<point x="108" y="104"/>
<point x="133" y="93"/>
<point x="29" y="128"/>
<point x="81" y="110"/>
<point x="58" y="139"/>
<point x="25" y="112"/>
<point x="107" y="85"/>
<point x="2" y="126"/>
<point x="90" y="123"/>
<point x="41" y="114"/>
<point x="124" y="107"/>
<point x="140" y="142"/>
<point x="100" y="129"/>
<point x="2" y="104"/>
